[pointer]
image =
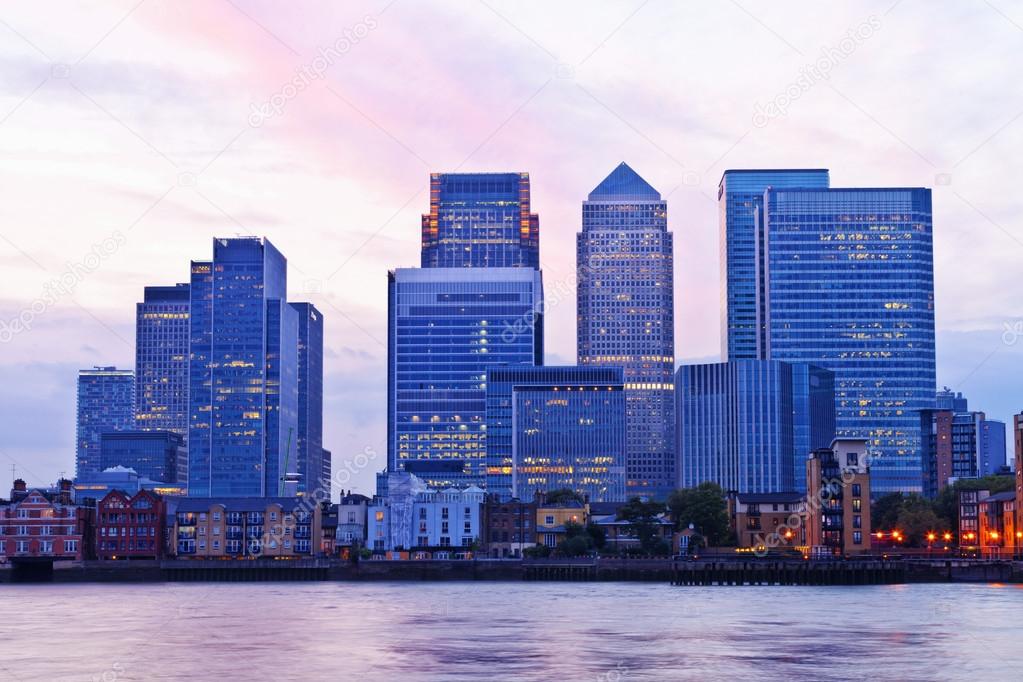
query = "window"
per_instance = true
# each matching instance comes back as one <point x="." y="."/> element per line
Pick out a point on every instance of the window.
<point x="351" y="517"/>
<point x="856" y="490"/>
<point x="46" y="547"/>
<point x="380" y="516"/>
<point x="216" y="530"/>
<point x="273" y="516"/>
<point x="857" y="521"/>
<point x="216" y="516"/>
<point x="70" y="546"/>
<point x="202" y="516"/>
<point x="857" y="537"/>
<point x="548" y="520"/>
<point x="857" y="505"/>
<point x="444" y="527"/>
<point x="216" y="544"/>
<point x="444" y="512"/>
<point x="852" y="458"/>
<point x="422" y="514"/>
<point x="22" y="547"/>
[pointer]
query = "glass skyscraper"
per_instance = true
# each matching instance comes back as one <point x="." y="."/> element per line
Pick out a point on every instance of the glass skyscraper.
<point x="740" y="201"/>
<point x="161" y="359"/>
<point x="480" y="220"/>
<point x="243" y="374"/>
<point x="156" y="455"/>
<point x="556" y="427"/>
<point x="308" y="447"/>
<point x="850" y="287"/>
<point x="626" y="316"/>
<point x="445" y="327"/>
<point x="106" y="402"/>
<point x="750" y="425"/>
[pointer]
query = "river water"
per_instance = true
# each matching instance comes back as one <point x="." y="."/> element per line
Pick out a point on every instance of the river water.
<point x="603" y="632"/>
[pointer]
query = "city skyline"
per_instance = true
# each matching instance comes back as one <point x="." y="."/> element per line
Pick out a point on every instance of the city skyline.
<point x="563" y="122"/>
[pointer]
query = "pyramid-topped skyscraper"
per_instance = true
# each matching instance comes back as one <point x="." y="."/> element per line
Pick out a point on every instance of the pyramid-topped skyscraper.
<point x="626" y="316"/>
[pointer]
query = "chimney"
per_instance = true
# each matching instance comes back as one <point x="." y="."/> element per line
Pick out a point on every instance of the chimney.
<point x="65" y="495"/>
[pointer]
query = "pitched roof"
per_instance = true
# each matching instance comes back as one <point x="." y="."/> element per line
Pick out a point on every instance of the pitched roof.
<point x="624" y="184"/>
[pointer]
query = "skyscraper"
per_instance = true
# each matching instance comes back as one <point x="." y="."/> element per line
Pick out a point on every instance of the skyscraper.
<point x="626" y="316"/>
<point x="243" y="374"/>
<point x="740" y="202"/>
<point x="309" y="453"/>
<point x="556" y="427"/>
<point x="480" y="220"/>
<point x="849" y="286"/>
<point x="106" y="402"/>
<point x="750" y="425"/>
<point x="161" y="359"/>
<point x="445" y="327"/>
<point x="156" y="455"/>
<point x="956" y="445"/>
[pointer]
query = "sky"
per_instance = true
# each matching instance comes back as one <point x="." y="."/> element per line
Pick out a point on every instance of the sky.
<point x="132" y="133"/>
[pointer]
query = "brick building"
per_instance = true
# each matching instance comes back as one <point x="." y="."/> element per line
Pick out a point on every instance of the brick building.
<point x="130" y="527"/>
<point x="42" y="524"/>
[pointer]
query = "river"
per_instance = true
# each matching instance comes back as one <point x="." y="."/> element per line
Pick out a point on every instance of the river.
<point x="604" y="632"/>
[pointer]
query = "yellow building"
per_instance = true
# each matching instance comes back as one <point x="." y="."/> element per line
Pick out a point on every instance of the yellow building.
<point x="551" y="519"/>
<point x="838" y="498"/>
<point x="244" y="528"/>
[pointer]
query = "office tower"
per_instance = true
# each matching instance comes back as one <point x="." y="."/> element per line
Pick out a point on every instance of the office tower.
<point x="626" y="316"/>
<point x="480" y="220"/>
<point x="947" y="399"/>
<point x="750" y="425"/>
<point x="326" y="472"/>
<point x="850" y="287"/>
<point x="106" y="402"/>
<point x="556" y="427"/>
<point x="161" y="359"/>
<point x="445" y="327"/>
<point x="243" y="374"/>
<point x="957" y="445"/>
<point x="839" y="481"/>
<point x="156" y="455"/>
<point x="740" y="202"/>
<point x="308" y="445"/>
<point x="992" y="447"/>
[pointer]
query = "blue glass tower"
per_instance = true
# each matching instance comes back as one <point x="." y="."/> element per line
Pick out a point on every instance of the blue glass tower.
<point x="850" y="287"/>
<point x="750" y="425"/>
<point x="243" y="373"/>
<point x="556" y="427"/>
<point x="445" y="327"/>
<point x="156" y="455"/>
<point x="161" y="360"/>
<point x="308" y="450"/>
<point x="626" y="316"/>
<point x="740" y="201"/>
<point x="106" y="402"/>
<point x="480" y="220"/>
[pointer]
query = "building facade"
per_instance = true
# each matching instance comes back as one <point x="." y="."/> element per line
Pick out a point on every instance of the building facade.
<point x="774" y="521"/>
<point x="958" y="445"/>
<point x="106" y="402"/>
<point x="626" y="316"/>
<point x="838" y="481"/>
<point x="130" y="526"/>
<point x="740" y="204"/>
<point x="307" y="456"/>
<point x="243" y="371"/>
<point x="156" y="455"/>
<point x="850" y="287"/>
<point x="161" y="359"/>
<point x="750" y="425"/>
<point x="507" y="527"/>
<point x="246" y="528"/>
<point x="445" y="327"/>
<point x="41" y="525"/>
<point x="556" y="427"/>
<point x="351" y="523"/>
<point x="480" y="220"/>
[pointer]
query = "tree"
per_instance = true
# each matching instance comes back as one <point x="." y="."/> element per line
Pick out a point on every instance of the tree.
<point x="704" y="507"/>
<point x="644" y="524"/>
<point x="578" y="540"/>
<point x="915" y="521"/>
<point x="562" y="496"/>
<point x="885" y="513"/>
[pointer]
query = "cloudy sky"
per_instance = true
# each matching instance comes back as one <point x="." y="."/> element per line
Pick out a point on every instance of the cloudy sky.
<point x="132" y="132"/>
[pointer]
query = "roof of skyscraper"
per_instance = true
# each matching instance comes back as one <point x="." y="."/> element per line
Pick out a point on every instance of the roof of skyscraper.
<point x="624" y="184"/>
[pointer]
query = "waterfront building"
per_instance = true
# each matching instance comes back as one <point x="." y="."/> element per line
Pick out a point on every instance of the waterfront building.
<point x="768" y="520"/>
<point x="123" y="479"/>
<point x="156" y="455"/>
<point x="245" y="527"/>
<point x="626" y="317"/>
<point x="306" y="456"/>
<point x="480" y="220"/>
<point x="130" y="526"/>
<point x="329" y="520"/>
<point x="106" y="402"/>
<point x="740" y="209"/>
<point x="620" y="536"/>
<point x="351" y="523"/>
<point x="998" y="536"/>
<point x="750" y="425"/>
<point x="161" y="359"/>
<point x="1017" y="437"/>
<point x="958" y="445"/>
<point x="556" y="427"/>
<point x="37" y="524"/>
<point x="553" y="517"/>
<point x="243" y="373"/>
<point x="507" y="527"/>
<point x="445" y="327"/>
<point x="850" y="287"/>
<point x="838" y="481"/>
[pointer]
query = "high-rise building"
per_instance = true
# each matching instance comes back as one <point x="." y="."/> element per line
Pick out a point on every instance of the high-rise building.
<point x="956" y="445"/>
<point x="750" y="425"/>
<point x="992" y="447"/>
<point x="849" y="286"/>
<point x="306" y="458"/>
<point x="161" y="359"/>
<point x="740" y="202"/>
<point x="445" y="327"/>
<point x="156" y="455"/>
<point x="480" y="220"/>
<point x="243" y="374"/>
<point x="556" y="427"/>
<point x="947" y="399"/>
<point x="626" y="316"/>
<point x="106" y="402"/>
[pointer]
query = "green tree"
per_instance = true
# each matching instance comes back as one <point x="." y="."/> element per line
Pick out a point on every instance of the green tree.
<point x="562" y="496"/>
<point x="915" y="521"/>
<point x="578" y="540"/>
<point x="885" y="512"/>
<point x="644" y="524"/>
<point x="704" y="507"/>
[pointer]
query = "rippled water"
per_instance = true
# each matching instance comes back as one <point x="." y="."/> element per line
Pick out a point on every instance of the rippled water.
<point x="606" y="632"/>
